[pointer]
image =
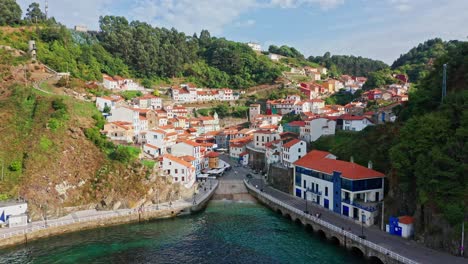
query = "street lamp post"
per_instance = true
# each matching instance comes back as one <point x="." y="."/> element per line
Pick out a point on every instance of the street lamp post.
<point x="362" y="226"/>
<point x="194" y="202"/>
<point x="305" y="196"/>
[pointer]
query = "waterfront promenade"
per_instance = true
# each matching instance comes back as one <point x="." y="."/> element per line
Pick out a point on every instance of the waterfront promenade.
<point x="92" y="218"/>
<point x="406" y="248"/>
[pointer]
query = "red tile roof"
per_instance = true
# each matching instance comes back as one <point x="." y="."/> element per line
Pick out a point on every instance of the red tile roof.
<point x="407" y="220"/>
<point x="178" y="160"/>
<point x="151" y="146"/>
<point x="291" y="143"/>
<point x="297" y="123"/>
<point x="348" y="170"/>
<point x="212" y="154"/>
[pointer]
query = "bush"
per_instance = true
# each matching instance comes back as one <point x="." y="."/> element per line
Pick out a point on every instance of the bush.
<point x="125" y="154"/>
<point x="15" y="166"/>
<point x="58" y="104"/>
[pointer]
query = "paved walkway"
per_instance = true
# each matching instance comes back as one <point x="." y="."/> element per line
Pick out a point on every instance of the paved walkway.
<point x="404" y="247"/>
<point x="91" y="215"/>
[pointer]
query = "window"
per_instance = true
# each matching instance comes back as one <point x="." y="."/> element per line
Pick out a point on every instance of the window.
<point x="170" y="163"/>
<point x="175" y="179"/>
<point x="183" y="178"/>
<point x="183" y="171"/>
<point x="304" y="184"/>
<point x="175" y="171"/>
<point x="326" y="191"/>
<point x="299" y="150"/>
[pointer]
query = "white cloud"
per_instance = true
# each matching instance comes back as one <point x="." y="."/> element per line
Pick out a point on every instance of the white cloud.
<point x="247" y="23"/>
<point x="74" y="12"/>
<point x="324" y="4"/>
<point x="401" y="5"/>
<point x="191" y="16"/>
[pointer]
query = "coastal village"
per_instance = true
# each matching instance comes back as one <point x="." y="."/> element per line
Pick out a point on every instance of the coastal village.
<point x="186" y="147"/>
<point x="133" y="122"/>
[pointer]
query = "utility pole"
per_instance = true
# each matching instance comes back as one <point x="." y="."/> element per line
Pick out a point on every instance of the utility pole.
<point x="383" y="204"/>
<point x="444" y="83"/>
<point x="462" y="249"/>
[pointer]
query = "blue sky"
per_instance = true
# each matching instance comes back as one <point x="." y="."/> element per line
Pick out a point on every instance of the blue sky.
<point x="379" y="29"/>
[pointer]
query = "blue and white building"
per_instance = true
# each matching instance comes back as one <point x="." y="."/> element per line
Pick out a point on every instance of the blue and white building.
<point x="343" y="187"/>
<point x="13" y="213"/>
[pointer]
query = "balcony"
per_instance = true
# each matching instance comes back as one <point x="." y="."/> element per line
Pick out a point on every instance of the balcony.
<point x="314" y="191"/>
<point x="366" y="206"/>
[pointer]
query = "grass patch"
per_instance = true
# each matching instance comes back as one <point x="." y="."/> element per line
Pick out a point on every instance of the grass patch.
<point x="148" y="163"/>
<point x="45" y="144"/>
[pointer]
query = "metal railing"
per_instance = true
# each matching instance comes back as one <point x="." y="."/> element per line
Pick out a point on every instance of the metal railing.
<point x="110" y="214"/>
<point x="352" y="236"/>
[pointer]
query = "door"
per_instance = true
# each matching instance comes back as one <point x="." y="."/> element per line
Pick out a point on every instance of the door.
<point x="325" y="203"/>
<point x="318" y="199"/>
<point x="377" y="197"/>
<point x="355" y="213"/>
<point x="345" y="210"/>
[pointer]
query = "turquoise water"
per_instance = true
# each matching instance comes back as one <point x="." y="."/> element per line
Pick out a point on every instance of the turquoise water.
<point x="226" y="232"/>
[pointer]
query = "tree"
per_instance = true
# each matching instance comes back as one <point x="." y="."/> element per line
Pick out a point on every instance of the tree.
<point x="35" y="13"/>
<point x="10" y="12"/>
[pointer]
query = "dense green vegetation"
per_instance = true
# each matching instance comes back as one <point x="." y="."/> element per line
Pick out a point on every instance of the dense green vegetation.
<point x="286" y="51"/>
<point x="379" y="79"/>
<point x="427" y="146"/>
<point x="416" y="62"/>
<point x="351" y="65"/>
<point x="342" y="97"/>
<point x="10" y="13"/>
<point x="215" y="62"/>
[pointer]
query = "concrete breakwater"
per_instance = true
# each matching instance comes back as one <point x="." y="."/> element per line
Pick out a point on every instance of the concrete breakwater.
<point x="38" y="230"/>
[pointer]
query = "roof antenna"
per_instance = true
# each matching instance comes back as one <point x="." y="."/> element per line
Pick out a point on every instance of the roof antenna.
<point x="46" y="8"/>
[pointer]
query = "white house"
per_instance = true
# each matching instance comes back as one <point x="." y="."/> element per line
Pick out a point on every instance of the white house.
<point x="163" y="139"/>
<point x="316" y="105"/>
<point x="110" y="101"/>
<point x="151" y="150"/>
<point x="191" y="148"/>
<point x="343" y="187"/>
<point x="180" y="170"/>
<point x="353" y="123"/>
<point x="261" y="137"/>
<point x="149" y="101"/>
<point x="316" y="127"/>
<point x="238" y="146"/>
<point x="273" y="152"/>
<point x="255" y="46"/>
<point x="292" y="151"/>
<point x="275" y="57"/>
<point x="109" y="83"/>
<point x="13" y="213"/>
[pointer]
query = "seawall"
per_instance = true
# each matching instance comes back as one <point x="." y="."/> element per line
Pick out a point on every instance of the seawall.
<point x="133" y="216"/>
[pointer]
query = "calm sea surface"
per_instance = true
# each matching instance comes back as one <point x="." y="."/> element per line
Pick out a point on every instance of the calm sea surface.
<point x="226" y="232"/>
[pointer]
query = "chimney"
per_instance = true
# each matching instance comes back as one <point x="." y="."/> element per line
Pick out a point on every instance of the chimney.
<point x="369" y="164"/>
<point x="351" y="159"/>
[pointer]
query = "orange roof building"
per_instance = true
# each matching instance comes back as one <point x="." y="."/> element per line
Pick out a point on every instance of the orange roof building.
<point x="343" y="187"/>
